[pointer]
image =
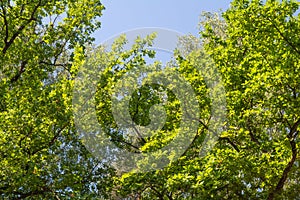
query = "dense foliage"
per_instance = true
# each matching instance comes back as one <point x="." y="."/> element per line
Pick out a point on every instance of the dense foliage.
<point x="40" y="154"/>
<point x="254" y="47"/>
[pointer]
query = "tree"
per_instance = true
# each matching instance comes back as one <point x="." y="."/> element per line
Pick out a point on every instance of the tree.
<point x="259" y="61"/>
<point x="41" y="155"/>
<point x="256" y="155"/>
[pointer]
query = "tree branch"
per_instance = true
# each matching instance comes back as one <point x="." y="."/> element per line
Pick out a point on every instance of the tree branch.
<point x="21" y="71"/>
<point x="231" y="143"/>
<point x="51" y="142"/>
<point x="5" y="23"/>
<point x="20" y="29"/>
<point x="291" y="136"/>
<point x="285" y="39"/>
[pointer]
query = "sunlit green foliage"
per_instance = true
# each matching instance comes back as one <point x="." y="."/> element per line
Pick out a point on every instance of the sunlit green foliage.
<point x="255" y="47"/>
<point x="257" y="54"/>
<point x="41" y="157"/>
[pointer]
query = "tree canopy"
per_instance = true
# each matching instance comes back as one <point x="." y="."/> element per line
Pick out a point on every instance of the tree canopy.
<point x="41" y="156"/>
<point x="246" y="59"/>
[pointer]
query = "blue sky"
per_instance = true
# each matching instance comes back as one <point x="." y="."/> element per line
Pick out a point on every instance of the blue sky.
<point x="179" y="15"/>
